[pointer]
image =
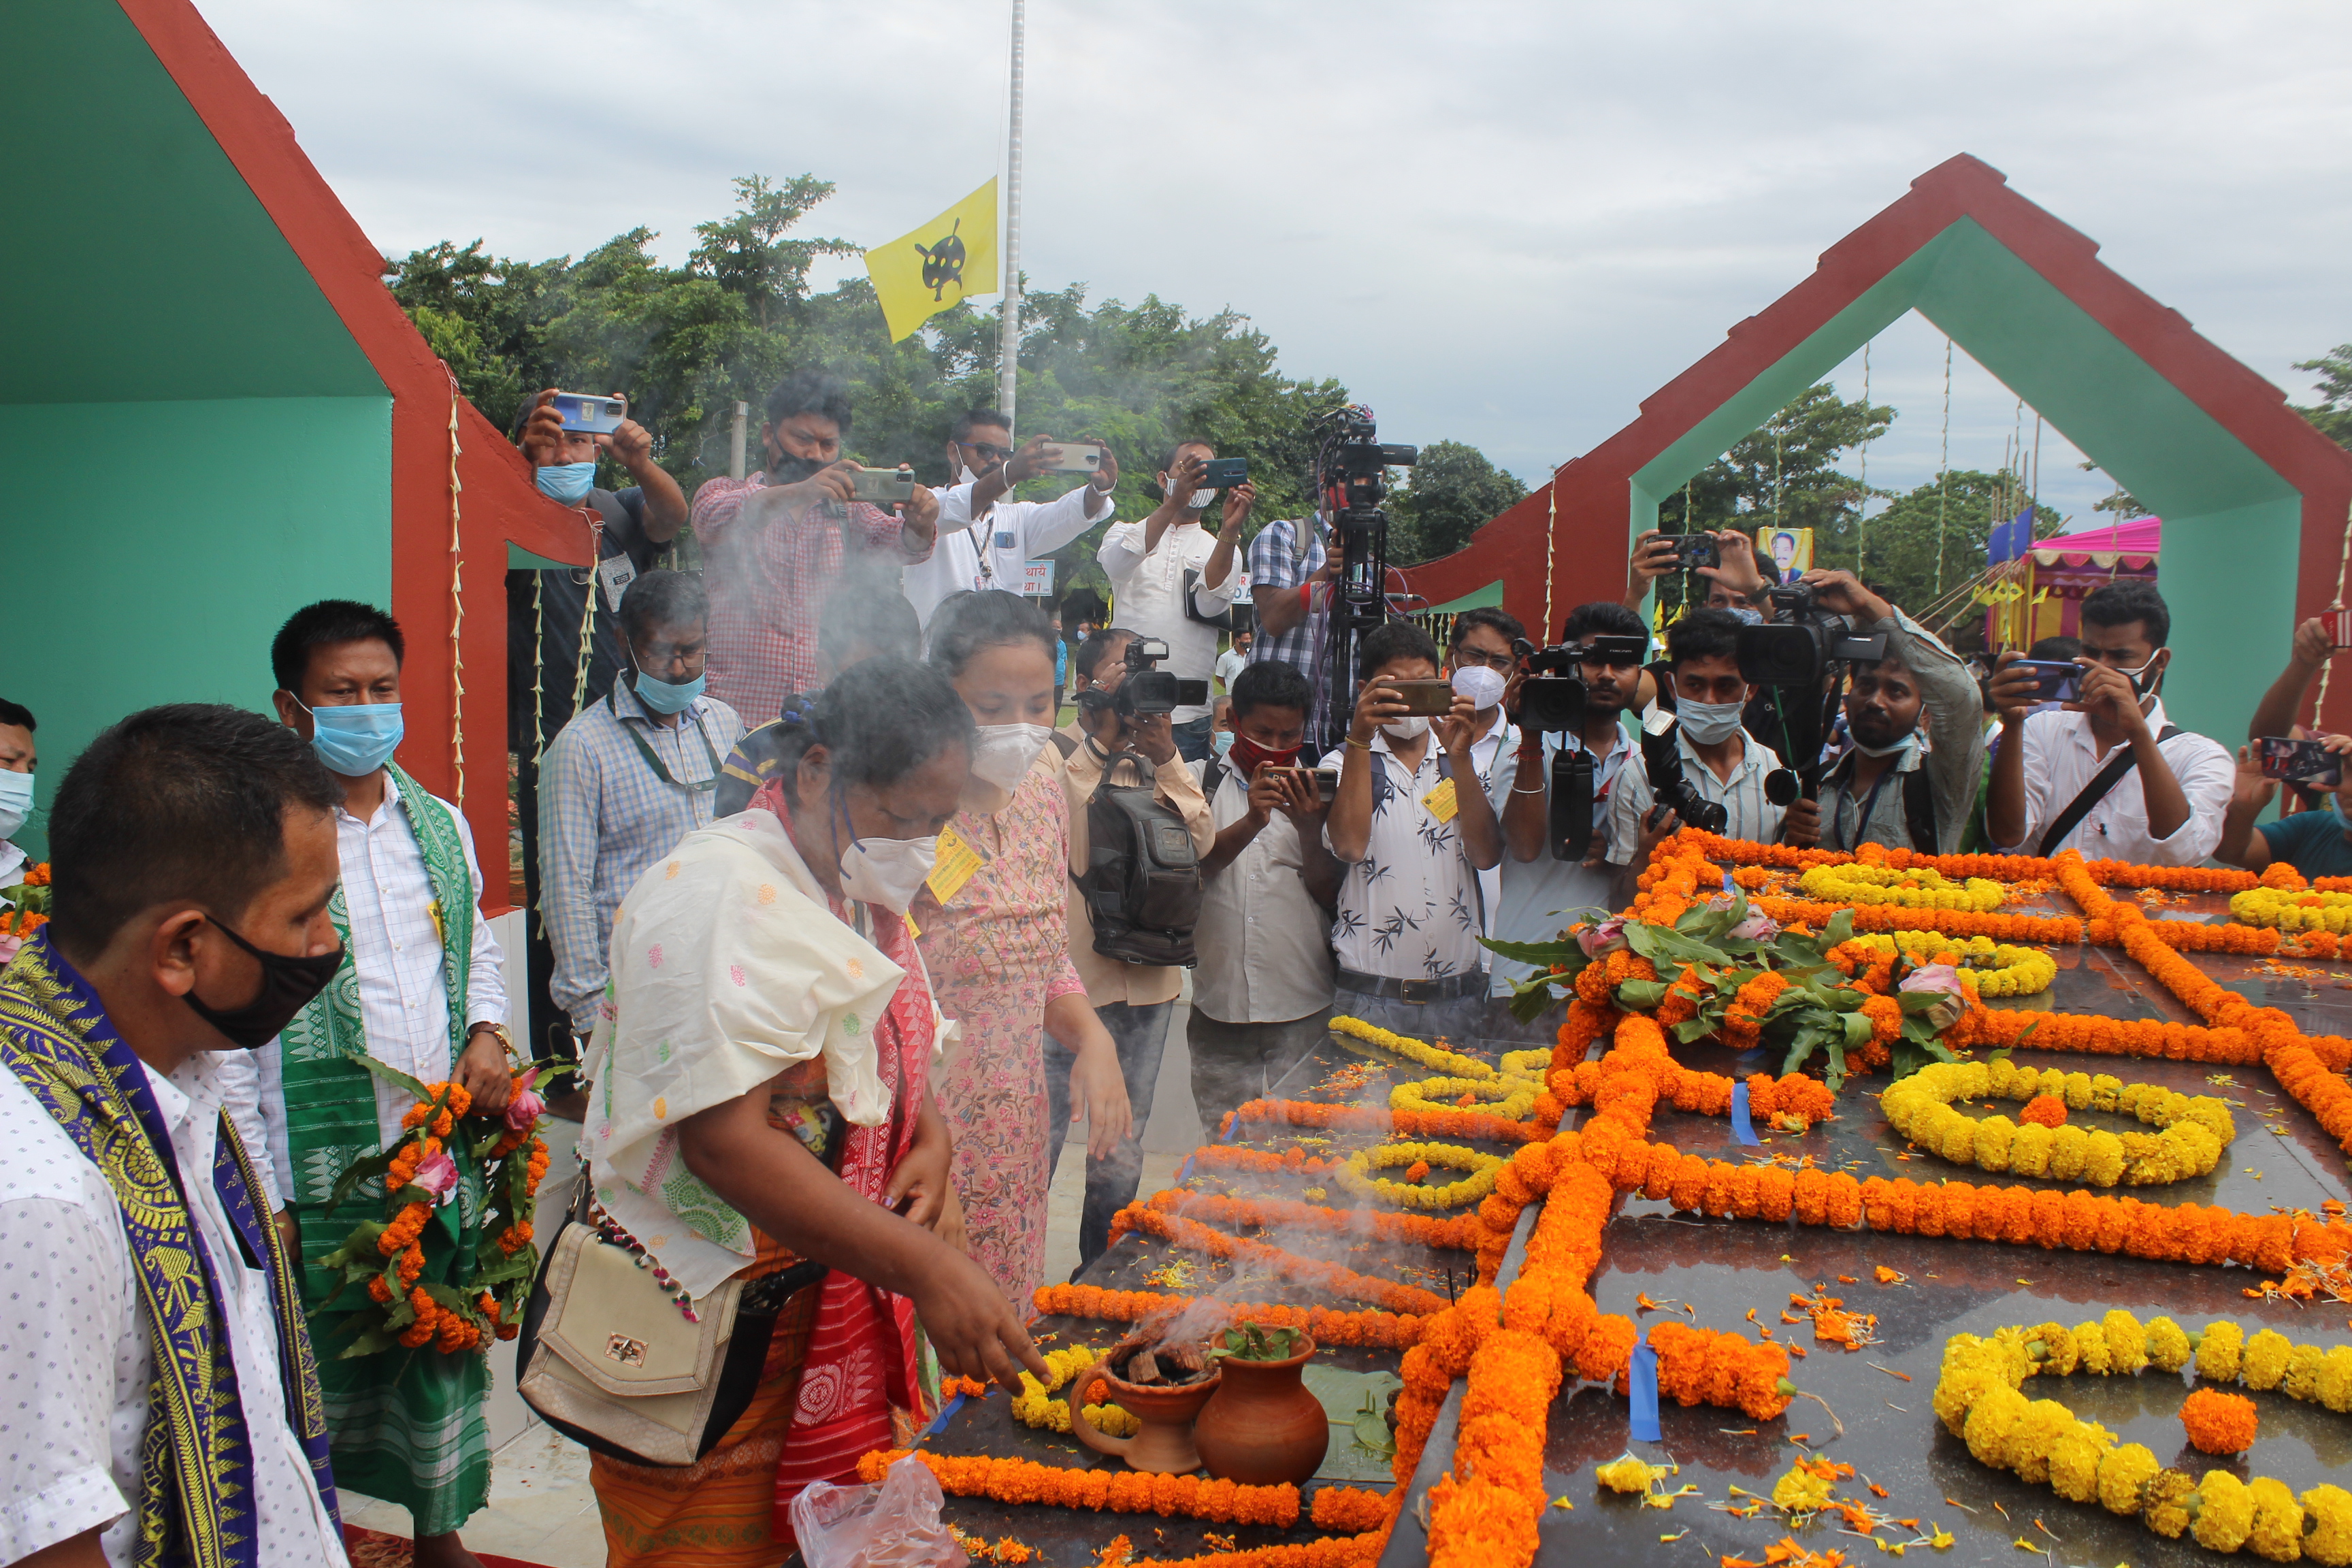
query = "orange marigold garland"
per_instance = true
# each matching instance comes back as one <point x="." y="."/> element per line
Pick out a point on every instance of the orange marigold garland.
<point x="1381" y="1330"/>
<point x="484" y="1296"/>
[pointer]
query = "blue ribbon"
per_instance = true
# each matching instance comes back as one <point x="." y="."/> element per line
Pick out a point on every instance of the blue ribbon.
<point x="1642" y="1384"/>
<point x="1741" y="1128"/>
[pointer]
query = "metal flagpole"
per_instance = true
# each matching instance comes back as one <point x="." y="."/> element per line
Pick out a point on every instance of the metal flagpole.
<point x="1009" y="336"/>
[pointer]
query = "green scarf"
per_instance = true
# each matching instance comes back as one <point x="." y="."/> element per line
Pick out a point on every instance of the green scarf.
<point x="196" y="1455"/>
<point x="408" y="1425"/>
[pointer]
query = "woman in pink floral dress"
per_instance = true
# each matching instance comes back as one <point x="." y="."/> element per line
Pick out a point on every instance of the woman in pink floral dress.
<point x="997" y="947"/>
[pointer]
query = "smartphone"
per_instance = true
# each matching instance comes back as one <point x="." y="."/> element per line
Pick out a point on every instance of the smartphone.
<point x="1425" y="698"/>
<point x="2302" y="762"/>
<point x="1073" y="457"/>
<point x="589" y="414"/>
<point x="1225" y="473"/>
<point x="1696" y="550"/>
<point x="2055" y="681"/>
<point x="881" y="486"/>
<point x="1325" y="780"/>
<point x="2339" y="628"/>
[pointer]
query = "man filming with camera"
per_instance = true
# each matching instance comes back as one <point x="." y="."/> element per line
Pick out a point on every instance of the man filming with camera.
<point x="1900" y="785"/>
<point x="1122" y="732"/>
<point x="1699" y="765"/>
<point x="1176" y="582"/>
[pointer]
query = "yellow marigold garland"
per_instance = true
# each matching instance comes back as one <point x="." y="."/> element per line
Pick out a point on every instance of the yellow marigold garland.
<point x="1999" y="969"/>
<point x="1979" y="1397"/>
<point x="2293" y="909"/>
<point x="1916" y="887"/>
<point x="1356" y="1175"/>
<point x="1036" y="1406"/>
<point x="2195" y="1130"/>
<point x="1433" y="1058"/>
<point x="1512" y="1099"/>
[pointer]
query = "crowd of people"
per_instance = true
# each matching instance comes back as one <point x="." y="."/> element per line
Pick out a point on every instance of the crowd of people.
<point x="845" y="929"/>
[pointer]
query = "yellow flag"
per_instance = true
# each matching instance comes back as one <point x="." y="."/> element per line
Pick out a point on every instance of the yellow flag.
<point x="952" y="257"/>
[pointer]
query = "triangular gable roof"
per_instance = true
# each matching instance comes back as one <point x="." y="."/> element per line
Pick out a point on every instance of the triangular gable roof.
<point x="496" y="500"/>
<point x="2256" y="500"/>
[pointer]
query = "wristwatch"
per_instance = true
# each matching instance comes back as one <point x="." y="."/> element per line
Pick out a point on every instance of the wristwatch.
<point x="506" y="1039"/>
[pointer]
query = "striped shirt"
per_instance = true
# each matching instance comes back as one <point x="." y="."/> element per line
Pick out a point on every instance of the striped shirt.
<point x="605" y="816"/>
<point x="1752" y="816"/>
<point x="1276" y="562"/>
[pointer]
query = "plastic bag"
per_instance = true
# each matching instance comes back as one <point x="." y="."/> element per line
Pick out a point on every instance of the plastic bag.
<point x="894" y="1525"/>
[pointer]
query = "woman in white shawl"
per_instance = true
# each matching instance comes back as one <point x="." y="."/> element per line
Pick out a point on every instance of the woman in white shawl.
<point x="762" y="1106"/>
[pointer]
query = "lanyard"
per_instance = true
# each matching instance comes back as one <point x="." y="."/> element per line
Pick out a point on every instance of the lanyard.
<point x="982" y="533"/>
<point x="1869" y="806"/>
<point x="701" y="786"/>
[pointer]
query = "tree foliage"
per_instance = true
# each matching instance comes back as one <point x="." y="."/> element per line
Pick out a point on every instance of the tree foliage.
<point x="1451" y="493"/>
<point x="685" y="343"/>
<point x="1897" y="547"/>
<point x="2334" y="413"/>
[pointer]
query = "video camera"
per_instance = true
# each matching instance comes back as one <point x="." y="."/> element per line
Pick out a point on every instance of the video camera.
<point x="1146" y="693"/>
<point x="1794" y="656"/>
<point x="1552" y="697"/>
<point x="1352" y="465"/>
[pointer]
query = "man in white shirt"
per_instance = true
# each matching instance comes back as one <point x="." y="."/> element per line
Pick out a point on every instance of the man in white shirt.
<point x="1262" y="990"/>
<point x="1542" y="890"/>
<point x="1230" y="662"/>
<point x="2059" y="781"/>
<point x="1479" y="662"/>
<point x="197" y="851"/>
<point x="425" y="996"/>
<point x="1413" y="829"/>
<point x="1149" y="563"/>
<point x="1719" y="760"/>
<point x="985" y="539"/>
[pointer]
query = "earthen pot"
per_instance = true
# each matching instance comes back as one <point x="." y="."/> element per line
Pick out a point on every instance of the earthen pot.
<point x="1264" y="1427"/>
<point x="1163" y="1444"/>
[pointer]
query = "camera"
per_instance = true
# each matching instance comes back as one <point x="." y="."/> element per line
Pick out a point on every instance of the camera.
<point x="1662" y="759"/>
<point x="1146" y="693"/>
<point x="1798" y="646"/>
<point x="1552" y="697"/>
<point x="1571" y="810"/>
<point x="1352" y="465"/>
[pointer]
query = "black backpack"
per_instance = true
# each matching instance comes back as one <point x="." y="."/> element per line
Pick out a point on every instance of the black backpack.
<point x="1142" y="880"/>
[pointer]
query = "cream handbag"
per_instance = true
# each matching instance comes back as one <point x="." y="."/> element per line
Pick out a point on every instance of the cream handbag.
<point x="607" y="1359"/>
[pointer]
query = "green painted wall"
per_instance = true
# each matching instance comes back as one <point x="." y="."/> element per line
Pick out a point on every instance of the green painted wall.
<point x="2232" y="523"/>
<point x="161" y="546"/>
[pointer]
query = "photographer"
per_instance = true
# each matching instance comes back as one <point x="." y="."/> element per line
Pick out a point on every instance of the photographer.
<point x="2307" y="655"/>
<point x="2317" y="843"/>
<point x="1414" y="829"/>
<point x="776" y="545"/>
<point x="1174" y="580"/>
<point x="1733" y="579"/>
<point x="1714" y="758"/>
<point x="984" y="538"/>
<point x="2104" y="774"/>
<point x="1538" y="886"/>
<point x="1290" y="576"/>
<point x="1262" y="991"/>
<point x="1132" y="1000"/>
<point x="1935" y="785"/>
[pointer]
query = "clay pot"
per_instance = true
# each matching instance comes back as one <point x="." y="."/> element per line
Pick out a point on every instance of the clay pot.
<point x="1264" y="1427"/>
<point x="1164" y="1443"/>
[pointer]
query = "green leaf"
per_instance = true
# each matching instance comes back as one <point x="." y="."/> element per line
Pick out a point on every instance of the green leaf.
<point x="1691" y="1029"/>
<point x="1641" y="995"/>
<point x="1569" y="955"/>
<point x="1531" y="999"/>
<point x="376" y="1341"/>
<point x="1835" y="1076"/>
<point x="1857" y="1030"/>
<point x="394" y="1075"/>
<point x="1839" y="930"/>
<point x="361" y="1171"/>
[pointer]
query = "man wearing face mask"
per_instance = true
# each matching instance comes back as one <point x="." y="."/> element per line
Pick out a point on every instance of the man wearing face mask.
<point x="2106" y="774"/>
<point x="1479" y="662"/>
<point x="627" y="779"/>
<point x="424" y="993"/>
<point x="777" y="544"/>
<point x="1167" y="571"/>
<point x="984" y="536"/>
<point x="1889" y="788"/>
<point x="17" y="756"/>
<point x="1132" y="1000"/>
<point x="159" y="1358"/>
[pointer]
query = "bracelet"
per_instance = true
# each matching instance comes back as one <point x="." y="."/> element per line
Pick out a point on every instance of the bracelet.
<point x="1516" y="790"/>
<point x="1364" y="745"/>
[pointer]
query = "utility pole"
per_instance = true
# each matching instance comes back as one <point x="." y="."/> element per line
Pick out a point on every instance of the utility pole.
<point x="1009" y="335"/>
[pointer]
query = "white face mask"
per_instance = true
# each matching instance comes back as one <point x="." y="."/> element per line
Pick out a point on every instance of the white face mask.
<point x="1001" y="753"/>
<point x="1709" y="724"/>
<point x="15" y="800"/>
<point x="1483" y="686"/>
<point x="887" y="873"/>
<point x="1896" y="750"/>
<point x="1203" y="501"/>
<point x="1409" y="729"/>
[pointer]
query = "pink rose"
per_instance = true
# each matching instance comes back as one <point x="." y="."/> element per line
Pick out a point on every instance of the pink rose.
<point x="1606" y="937"/>
<point x="437" y="1175"/>
<point x="1945" y="979"/>
<point x="526" y="1108"/>
<point x="1758" y="926"/>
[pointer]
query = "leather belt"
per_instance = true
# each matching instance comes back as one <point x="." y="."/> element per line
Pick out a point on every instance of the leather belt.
<point x="1440" y="990"/>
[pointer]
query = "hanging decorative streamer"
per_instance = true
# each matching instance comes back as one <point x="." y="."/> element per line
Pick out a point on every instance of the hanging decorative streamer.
<point x="456" y="607"/>
<point x="1551" y="543"/>
<point x="1862" y="508"/>
<point x="1944" y="467"/>
<point x="2342" y="565"/>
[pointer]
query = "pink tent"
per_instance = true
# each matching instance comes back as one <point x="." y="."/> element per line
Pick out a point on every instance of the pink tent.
<point x="2140" y="536"/>
<point x="2058" y="571"/>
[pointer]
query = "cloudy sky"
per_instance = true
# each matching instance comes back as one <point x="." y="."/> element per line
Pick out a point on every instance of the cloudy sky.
<point x="1501" y="224"/>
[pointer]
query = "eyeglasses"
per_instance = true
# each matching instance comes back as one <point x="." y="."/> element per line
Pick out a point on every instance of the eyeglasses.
<point x="987" y="453"/>
<point x="1505" y="662"/>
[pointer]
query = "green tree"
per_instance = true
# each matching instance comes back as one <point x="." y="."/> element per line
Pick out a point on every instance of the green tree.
<point x="2334" y="413"/>
<point x="1453" y="491"/>
<point x="1902" y="541"/>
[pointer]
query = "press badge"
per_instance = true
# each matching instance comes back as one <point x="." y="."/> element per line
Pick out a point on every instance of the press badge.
<point x="1441" y="801"/>
<point x="956" y="863"/>
<point x="616" y="572"/>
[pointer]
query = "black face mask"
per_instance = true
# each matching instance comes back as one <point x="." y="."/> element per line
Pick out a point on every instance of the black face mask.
<point x="788" y="469"/>
<point x="288" y="984"/>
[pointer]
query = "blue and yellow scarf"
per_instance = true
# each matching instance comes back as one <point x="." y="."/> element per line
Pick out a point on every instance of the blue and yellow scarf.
<point x="195" y="1457"/>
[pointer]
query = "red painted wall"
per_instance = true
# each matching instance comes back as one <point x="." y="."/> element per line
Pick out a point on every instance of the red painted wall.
<point x="498" y="502"/>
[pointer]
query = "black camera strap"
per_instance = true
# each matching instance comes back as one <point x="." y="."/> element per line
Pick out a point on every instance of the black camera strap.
<point x="2124" y="760"/>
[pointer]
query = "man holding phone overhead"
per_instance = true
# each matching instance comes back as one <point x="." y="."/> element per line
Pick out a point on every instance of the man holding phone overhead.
<point x="2103" y="773"/>
<point x="986" y="536"/>
<point x="778" y="542"/>
<point x="1175" y="581"/>
<point x="2316" y="843"/>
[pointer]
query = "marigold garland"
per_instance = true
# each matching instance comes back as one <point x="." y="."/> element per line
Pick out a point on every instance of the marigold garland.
<point x="1434" y="1058"/>
<point x="1999" y="968"/>
<point x="1505" y="1098"/>
<point x="1915" y="888"/>
<point x="1035" y="1405"/>
<point x="1445" y="1122"/>
<point x="2193" y="1132"/>
<point x="2294" y="910"/>
<point x="1019" y="1482"/>
<point x="1194" y="1237"/>
<point x="1459" y="1234"/>
<point x="1355" y="1173"/>
<point x="1380" y="1331"/>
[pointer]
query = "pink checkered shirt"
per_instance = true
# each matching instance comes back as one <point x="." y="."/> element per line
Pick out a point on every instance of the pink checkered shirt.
<point x="768" y="585"/>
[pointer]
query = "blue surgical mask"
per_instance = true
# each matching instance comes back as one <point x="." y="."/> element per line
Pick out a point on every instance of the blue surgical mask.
<point x="663" y="697"/>
<point x="1709" y="724"/>
<point x="2334" y="803"/>
<point x="355" y="740"/>
<point x="15" y="800"/>
<point x="1748" y="614"/>
<point x="567" y="483"/>
<point x="1220" y="740"/>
